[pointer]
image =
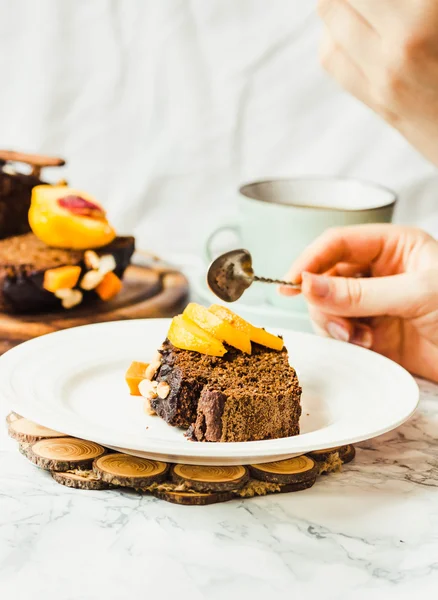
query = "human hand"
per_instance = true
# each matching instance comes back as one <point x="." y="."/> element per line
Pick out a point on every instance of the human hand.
<point x="385" y="52"/>
<point x="375" y="286"/>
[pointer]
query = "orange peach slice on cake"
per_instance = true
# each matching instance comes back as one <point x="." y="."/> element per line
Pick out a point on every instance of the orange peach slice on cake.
<point x="187" y="335"/>
<point x="63" y="217"/>
<point x="256" y="334"/>
<point x="217" y="327"/>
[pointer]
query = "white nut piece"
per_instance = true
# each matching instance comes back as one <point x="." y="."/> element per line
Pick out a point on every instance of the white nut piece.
<point x="107" y="264"/>
<point x="148" y="408"/>
<point x="148" y="389"/>
<point x="163" y="390"/>
<point x="69" y="298"/>
<point x="63" y="293"/>
<point x="157" y="357"/>
<point x="91" y="259"/>
<point x="91" y="280"/>
<point x="152" y="369"/>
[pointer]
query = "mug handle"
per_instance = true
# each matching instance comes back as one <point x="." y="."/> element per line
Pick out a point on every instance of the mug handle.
<point x="226" y="226"/>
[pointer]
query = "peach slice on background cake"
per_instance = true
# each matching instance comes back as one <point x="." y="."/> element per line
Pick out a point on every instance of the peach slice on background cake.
<point x="256" y="334"/>
<point x="187" y="335"/>
<point x="64" y="217"/>
<point x="218" y="328"/>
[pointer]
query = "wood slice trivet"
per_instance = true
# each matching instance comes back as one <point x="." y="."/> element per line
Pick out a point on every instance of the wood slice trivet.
<point x="194" y="498"/>
<point x="81" y="480"/>
<point x="153" y="291"/>
<point x="210" y="479"/>
<point x="346" y="453"/>
<point x="291" y="470"/>
<point x="130" y="471"/>
<point x="63" y="454"/>
<point x="70" y="459"/>
<point x="24" y="430"/>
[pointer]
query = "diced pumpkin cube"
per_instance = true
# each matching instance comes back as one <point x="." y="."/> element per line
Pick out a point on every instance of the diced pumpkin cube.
<point x="217" y="327"/>
<point x="109" y="287"/>
<point x="61" y="278"/>
<point x="135" y="375"/>
<point x="187" y="335"/>
<point x="256" y="334"/>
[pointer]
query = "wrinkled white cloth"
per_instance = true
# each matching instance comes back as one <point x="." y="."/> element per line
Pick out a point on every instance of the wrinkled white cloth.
<point x="162" y="107"/>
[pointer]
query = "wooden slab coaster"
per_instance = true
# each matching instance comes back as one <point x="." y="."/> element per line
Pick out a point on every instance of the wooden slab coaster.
<point x="24" y="430"/>
<point x="210" y="479"/>
<point x="346" y="453"/>
<point x="130" y="471"/>
<point x="63" y="454"/>
<point x="81" y="480"/>
<point x="12" y="416"/>
<point x="193" y="498"/>
<point x="291" y="470"/>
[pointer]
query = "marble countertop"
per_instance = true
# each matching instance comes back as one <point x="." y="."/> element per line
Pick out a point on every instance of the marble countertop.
<point x="370" y="530"/>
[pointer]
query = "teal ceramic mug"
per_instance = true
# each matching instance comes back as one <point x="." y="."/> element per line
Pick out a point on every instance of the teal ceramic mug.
<point x="278" y="219"/>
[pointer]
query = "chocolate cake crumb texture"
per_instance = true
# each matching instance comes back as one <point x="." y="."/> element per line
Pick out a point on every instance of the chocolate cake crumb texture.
<point x="234" y="398"/>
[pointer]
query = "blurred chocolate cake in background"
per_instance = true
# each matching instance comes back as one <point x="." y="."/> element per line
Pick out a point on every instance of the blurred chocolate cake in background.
<point x="16" y="183"/>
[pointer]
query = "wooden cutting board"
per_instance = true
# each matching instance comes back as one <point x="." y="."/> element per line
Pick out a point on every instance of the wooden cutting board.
<point x="148" y="291"/>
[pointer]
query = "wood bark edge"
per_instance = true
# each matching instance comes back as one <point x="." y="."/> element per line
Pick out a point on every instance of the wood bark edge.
<point x="193" y="499"/>
<point x="80" y="480"/>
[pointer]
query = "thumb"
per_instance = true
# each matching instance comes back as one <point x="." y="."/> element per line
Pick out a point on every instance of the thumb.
<point x="404" y="295"/>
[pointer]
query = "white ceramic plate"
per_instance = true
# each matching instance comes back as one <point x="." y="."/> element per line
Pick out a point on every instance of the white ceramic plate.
<point x="73" y="381"/>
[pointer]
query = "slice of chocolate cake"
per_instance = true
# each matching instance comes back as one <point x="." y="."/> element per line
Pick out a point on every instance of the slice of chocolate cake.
<point x="234" y="398"/>
<point x="25" y="259"/>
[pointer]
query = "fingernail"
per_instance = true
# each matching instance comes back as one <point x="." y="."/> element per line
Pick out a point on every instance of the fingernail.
<point x="287" y="291"/>
<point x="319" y="285"/>
<point x="362" y="337"/>
<point x="337" y="331"/>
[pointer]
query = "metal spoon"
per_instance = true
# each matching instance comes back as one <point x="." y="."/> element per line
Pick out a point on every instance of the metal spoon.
<point x="231" y="274"/>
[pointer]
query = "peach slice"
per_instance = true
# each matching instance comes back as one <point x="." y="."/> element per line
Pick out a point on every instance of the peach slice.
<point x="61" y="278"/>
<point x="186" y="335"/>
<point x="218" y="328"/>
<point x="135" y="375"/>
<point x="68" y="218"/>
<point x="109" y="287"/>
<point x="256" y="334"/>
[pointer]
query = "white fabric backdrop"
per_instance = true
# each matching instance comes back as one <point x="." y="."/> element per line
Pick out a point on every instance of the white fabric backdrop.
<point x="163" y="106"/>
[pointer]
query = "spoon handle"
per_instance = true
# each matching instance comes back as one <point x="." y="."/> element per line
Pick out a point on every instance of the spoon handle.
<point x="296" y="286"/>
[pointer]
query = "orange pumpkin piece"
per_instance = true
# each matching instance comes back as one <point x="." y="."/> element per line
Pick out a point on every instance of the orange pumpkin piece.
<point x="61" y="278"/>
<point x="135" y="375"/>
<point x="109" y="287"/>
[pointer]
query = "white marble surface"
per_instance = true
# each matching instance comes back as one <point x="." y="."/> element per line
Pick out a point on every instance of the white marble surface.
<point x="371" y="531"/>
